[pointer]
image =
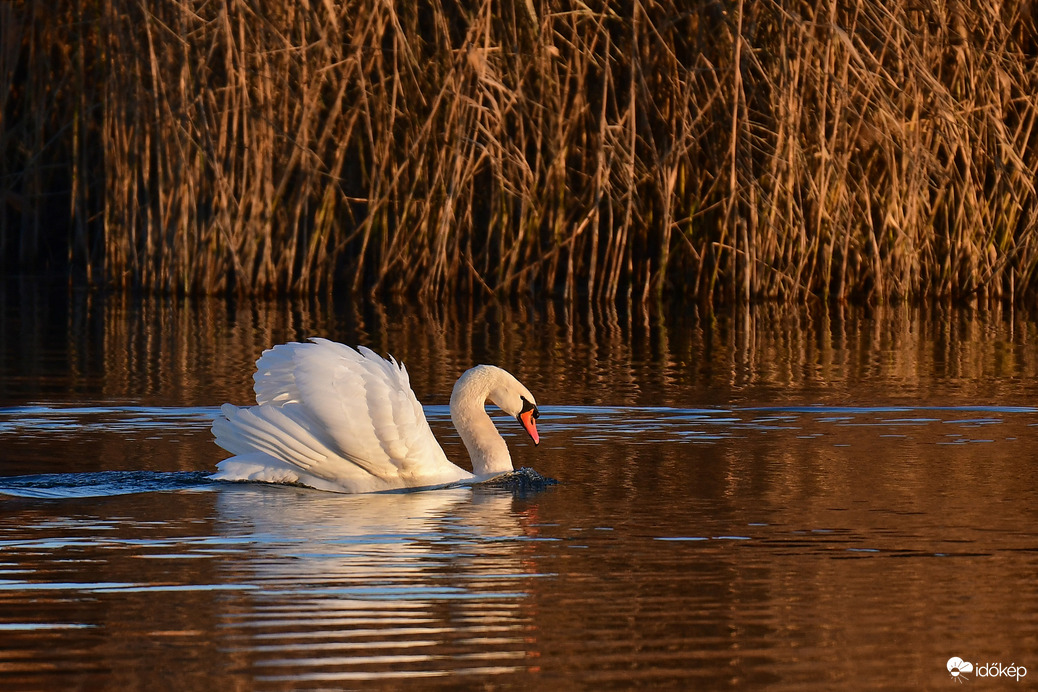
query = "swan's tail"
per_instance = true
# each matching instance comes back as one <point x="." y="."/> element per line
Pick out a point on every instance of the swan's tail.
<point x="276" y="444"/>
<point x="271" y="431"/>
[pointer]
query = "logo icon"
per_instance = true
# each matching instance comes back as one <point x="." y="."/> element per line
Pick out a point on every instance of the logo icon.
<point x="957" y="667"/>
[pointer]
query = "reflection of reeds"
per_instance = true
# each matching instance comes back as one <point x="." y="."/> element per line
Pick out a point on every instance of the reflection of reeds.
<point x="155" y="350"/>
<point x="746" y="149"/>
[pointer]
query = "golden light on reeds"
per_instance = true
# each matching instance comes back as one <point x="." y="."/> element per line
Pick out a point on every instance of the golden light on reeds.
<point x="726" y="150"/>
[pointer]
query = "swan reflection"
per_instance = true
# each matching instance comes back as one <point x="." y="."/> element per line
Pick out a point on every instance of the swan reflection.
<point x="376" y="586"/>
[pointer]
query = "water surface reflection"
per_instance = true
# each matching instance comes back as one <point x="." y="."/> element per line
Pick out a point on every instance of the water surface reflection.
<point x="797" y="498"/>
<point x="84" y="347"/>
<point x="379" y="587"/>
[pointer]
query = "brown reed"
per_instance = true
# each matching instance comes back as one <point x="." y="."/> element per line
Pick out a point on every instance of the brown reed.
<point x="723" y="150"/>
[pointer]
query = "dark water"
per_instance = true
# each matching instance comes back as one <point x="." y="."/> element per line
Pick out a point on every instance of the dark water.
<point x="783" y="498"/>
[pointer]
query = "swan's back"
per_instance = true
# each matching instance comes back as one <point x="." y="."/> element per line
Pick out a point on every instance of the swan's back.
<point x="335" y="418"/>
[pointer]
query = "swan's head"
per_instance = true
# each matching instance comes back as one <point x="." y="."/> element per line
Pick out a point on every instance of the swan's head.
<point x="507" y="393"/>
<point x="513" y="398"/>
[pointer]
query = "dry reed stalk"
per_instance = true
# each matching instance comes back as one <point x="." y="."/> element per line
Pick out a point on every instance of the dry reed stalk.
<point x="746" y="150"/>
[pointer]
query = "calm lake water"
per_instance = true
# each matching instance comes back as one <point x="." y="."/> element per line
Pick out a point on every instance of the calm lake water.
<point x="786" y="497"/>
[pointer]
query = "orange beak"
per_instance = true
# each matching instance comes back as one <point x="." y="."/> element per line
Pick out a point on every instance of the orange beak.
<point x="528" y="419"/>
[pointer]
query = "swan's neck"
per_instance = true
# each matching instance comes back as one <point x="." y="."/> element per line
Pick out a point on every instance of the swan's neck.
<point x="486" y="447"/>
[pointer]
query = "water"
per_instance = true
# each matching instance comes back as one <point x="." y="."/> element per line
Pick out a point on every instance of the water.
<point x="791" y="499"/>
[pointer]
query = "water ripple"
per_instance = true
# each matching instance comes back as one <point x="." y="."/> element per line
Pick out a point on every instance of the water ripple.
<point x="102" y="484"/>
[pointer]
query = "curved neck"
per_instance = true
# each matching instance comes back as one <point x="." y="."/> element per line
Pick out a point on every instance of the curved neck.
<point x="486" y="447"/>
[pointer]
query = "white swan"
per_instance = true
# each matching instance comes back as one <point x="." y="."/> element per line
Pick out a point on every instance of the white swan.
<point x="334" y="418"/>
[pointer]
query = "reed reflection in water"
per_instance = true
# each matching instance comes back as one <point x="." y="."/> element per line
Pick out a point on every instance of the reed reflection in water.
<point x="60" y="345"/>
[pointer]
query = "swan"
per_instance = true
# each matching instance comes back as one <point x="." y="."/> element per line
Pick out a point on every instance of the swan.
<point x="341" y="419"/>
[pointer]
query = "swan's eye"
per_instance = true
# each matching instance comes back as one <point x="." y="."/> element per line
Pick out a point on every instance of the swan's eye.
<point x="528" y="406"/>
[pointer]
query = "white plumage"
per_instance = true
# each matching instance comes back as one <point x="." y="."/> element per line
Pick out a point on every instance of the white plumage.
<point x="346" y="420"/>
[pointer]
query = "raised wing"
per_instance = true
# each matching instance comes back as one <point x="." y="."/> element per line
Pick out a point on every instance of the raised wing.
<point x="343" y="415"/>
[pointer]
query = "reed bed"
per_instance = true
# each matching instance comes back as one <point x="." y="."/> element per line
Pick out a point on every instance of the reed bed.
<point x="733" y="150"/>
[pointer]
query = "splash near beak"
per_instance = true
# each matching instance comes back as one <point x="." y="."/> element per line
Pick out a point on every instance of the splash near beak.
<point x="528" y="419"/>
